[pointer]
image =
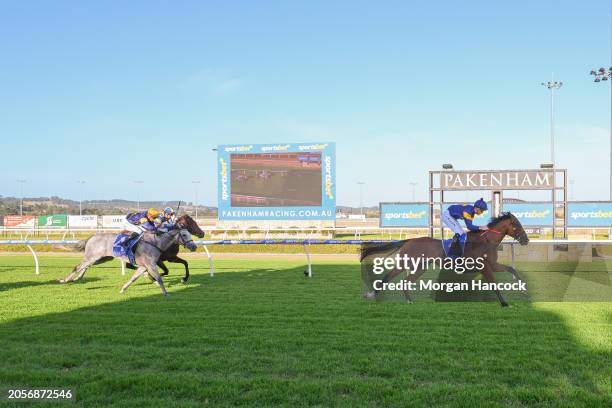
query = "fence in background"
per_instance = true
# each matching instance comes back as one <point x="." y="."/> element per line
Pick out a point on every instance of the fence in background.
<point x="510" y="256"/>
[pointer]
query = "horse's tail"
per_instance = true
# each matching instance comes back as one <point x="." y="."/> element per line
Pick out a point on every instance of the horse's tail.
<point x="370" y="249"/>
<point x="78" y="247"/>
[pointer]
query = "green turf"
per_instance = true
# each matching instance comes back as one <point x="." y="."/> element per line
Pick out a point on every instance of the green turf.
<point x="260" y="334"/>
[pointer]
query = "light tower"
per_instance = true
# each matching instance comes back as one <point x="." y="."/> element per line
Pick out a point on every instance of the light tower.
<point x="138" y="184"/>
<point x="21" y="182"/>
<point x="603" y="75"/>
<point x="195" y="203"/>
<point x="361" y="184"/>
<point x="552" y="85"/>
<point x="81" y="182"/>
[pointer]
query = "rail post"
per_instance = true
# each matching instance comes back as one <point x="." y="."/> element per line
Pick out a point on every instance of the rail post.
<point x="309" y="270"/>
<point x="210" y="261"/>
<point x="37" y="270"/>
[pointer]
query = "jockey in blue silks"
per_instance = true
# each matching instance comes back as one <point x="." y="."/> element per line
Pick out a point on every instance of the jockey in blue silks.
<point x="168" y="219"/>
<point x="454" y="213"/>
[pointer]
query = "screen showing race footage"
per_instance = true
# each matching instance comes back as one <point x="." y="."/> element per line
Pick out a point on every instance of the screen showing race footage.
<point x="276" y="179"/>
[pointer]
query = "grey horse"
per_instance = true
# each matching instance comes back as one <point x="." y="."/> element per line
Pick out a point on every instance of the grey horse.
<point x="99" y="249"/>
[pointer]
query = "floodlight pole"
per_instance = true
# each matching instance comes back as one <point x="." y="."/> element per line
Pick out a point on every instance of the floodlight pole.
<point x="81" y="182"/>
<point x="195" y="203"/>
<point x="604" y="75"/>
<point x="552" y="85"/>
<point x="361" y="184"/>
<point x="413" y="184"/>
<point x="21" y="181"/>
<point x="138" y="182"/>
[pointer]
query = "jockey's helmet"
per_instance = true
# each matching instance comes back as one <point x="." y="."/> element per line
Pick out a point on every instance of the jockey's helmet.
<point x="482" y="204"/>
<point x="168" y="212"/>
<point x="152" y="213"/>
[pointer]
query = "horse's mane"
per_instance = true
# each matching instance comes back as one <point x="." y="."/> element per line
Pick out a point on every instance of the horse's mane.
<point x="501" y="217"/>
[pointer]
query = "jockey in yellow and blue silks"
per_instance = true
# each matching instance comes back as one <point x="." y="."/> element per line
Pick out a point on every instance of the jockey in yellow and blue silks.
<point x="454" y="213"/>
<point x="138" y="222"/>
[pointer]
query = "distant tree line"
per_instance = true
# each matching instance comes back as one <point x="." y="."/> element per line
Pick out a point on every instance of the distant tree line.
<point x="57" y="205"/>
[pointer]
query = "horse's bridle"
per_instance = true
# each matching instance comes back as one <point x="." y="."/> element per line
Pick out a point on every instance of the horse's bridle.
<point x="497" y="232"/>
<point x="183" y="242"/>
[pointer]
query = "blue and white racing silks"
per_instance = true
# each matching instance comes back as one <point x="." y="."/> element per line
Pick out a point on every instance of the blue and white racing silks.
<point x="465" y="213"/>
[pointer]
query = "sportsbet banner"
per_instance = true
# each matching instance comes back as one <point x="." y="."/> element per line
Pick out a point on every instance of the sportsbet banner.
<point x="56" y="220"/>
<point x="112" y="221"/>
<point x="83" y="221"/>
<point x="404" y="214"/>
<point x="593" y="214"/>
<point x="19" y="221"/>
<point x="532" y="214"/>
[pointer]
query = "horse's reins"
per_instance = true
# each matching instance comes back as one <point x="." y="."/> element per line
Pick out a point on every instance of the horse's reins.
<point x="492" y="230"/>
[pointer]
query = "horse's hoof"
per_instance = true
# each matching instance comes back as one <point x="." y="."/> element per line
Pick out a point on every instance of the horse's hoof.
<point x="122" y="291"/>
<point x="369" y="295"/>
<point x="183" y="280"/>
<point x="506" y="305"/>
<point x="61" y="281"/>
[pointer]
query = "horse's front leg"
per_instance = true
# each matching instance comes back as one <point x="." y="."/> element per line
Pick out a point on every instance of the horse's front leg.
<point x="176" y="259"/>
<point x="497" y="267"/>
<point x="163" y="267"/>
<point x="152" y="270"/>
<point x="487" y="272"/>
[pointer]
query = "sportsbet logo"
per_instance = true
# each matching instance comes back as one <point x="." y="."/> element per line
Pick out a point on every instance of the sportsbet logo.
<point x="591" y="214"/>
<point x="411" y="215"/>
<point x="532" y="214"/>
<point x="328" y="178"/>
<point x="224" y="193"/>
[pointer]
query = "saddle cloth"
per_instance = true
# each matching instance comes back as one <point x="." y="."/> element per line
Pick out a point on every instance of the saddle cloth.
<point x="124" y="246"/>
<point x="447" y="243"/>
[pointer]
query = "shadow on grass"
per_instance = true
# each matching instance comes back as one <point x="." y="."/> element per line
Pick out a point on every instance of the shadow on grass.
<point x="273" y="337"/>
<point x="6" y="286"/>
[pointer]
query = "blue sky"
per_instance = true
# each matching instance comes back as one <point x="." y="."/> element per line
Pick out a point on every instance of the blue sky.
<point x="111" y="92"/>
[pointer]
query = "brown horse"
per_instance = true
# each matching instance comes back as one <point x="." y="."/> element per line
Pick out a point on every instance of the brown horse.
<point x="171" y="254"/>
<point x="481" y="244"/>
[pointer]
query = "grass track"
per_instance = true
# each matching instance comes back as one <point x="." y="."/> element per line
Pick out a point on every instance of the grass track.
<point x="259" y="333"/>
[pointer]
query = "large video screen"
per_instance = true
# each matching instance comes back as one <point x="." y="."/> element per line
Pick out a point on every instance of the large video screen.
<point x="276" y="180"/>
<point x="280" y="181"/>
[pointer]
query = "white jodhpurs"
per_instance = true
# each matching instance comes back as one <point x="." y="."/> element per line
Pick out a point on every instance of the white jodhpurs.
<point x="452" y="223"/>
<point x="131" y="227"/>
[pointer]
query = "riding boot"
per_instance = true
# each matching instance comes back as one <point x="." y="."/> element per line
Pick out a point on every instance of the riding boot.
<point x="129" y="239"/>
<point x="455" y="247"/>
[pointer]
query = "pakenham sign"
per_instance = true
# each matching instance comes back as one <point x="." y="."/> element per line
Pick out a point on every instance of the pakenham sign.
<point x="497" y="180"/>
